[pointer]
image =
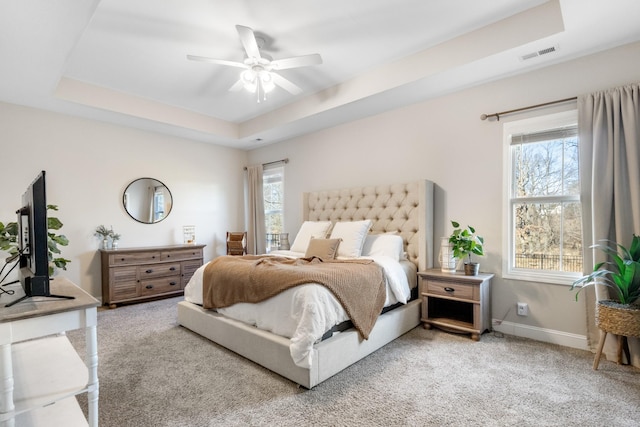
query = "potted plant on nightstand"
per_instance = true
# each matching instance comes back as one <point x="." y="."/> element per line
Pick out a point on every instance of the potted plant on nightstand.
<point x="620" y="316"/>
<point x="465" y="242"/>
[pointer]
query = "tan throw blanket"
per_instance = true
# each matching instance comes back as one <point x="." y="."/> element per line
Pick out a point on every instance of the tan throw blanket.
<point x="358" y="285"/>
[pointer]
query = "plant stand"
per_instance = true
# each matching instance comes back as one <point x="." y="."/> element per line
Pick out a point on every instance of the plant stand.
<point x="620" y="320"/>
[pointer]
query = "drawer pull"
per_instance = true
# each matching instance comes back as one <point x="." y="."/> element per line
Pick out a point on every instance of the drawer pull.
<point x="149" y="271"/>
<point x="172" y="269"/>
<point x="149" y="286"/>
<point x="448" y="289"/>
<point x="172" y="283"/>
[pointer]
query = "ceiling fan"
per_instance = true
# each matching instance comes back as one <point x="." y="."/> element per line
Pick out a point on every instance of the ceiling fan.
<point x="259" y="75"/>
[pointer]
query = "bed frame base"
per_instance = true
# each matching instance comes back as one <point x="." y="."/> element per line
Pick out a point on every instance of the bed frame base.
<point x="272" y="351"/>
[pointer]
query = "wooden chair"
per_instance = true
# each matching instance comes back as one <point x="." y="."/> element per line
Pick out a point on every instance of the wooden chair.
<point x="236" y="242"/>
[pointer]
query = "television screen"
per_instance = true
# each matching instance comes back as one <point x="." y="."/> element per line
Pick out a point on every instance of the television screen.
<point x="32" y="221"/>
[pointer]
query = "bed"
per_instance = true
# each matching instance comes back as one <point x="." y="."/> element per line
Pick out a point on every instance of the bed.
<point x="402" y="209"/>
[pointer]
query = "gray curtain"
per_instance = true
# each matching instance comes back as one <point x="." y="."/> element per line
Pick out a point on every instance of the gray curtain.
<point x="254" y="202"/>
<point x="609" y="131"/>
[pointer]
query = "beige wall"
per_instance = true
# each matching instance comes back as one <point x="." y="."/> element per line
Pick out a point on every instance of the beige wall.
<point x="90" y="163"/>
<point x="445" y="141"/>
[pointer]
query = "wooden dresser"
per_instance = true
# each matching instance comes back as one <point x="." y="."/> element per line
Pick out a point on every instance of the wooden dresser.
<point x="139" y="274"/>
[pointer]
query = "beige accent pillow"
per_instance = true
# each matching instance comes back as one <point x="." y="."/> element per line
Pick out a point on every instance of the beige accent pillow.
<point x="322" y="248"/>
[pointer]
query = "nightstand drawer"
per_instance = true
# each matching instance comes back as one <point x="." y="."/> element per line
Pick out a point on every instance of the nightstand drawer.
<point x="454" y="290"/>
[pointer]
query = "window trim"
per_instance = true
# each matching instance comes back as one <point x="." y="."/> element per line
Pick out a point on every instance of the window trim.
<point x="276" y="169"/>
<point x="530" y="125"/>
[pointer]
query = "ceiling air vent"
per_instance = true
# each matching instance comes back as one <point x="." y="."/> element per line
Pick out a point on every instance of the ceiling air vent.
<point x="539" y="53"/>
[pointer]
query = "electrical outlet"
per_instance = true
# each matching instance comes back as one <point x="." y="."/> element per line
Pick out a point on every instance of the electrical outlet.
<point x="523" y="309"/>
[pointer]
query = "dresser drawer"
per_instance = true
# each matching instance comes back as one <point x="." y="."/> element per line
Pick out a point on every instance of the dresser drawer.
<point x="450" y="289"/>
<point x="124" y="274"/>
<point x="181" y="254"/>
<point x="160" y="285"/>
<point x="158" y="270"/>
<point x="134" y="258"/>
<point x="188" y="269"/>
<point x="125" y="283"/>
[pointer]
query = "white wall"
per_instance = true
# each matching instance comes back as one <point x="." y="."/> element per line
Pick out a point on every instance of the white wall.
<point x="90" y="163"/>
<point x="445" y="141"/>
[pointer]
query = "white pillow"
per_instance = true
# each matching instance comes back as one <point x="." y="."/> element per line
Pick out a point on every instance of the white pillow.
<point x="390" y="245"/>
<point x="309" y="229"/>
<point x="352" y="234"/>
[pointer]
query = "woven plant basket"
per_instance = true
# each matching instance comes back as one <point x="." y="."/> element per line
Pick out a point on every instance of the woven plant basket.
<point x="618" y="318"/>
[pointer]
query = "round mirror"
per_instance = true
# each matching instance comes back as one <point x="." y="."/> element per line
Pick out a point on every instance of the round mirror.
<point x="147" y="200"/>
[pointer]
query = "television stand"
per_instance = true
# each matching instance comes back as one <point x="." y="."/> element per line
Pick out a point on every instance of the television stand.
<point x="42" y="373"/>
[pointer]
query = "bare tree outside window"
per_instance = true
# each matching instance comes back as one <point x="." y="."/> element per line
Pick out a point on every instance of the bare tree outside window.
<point x="545" y="201"/>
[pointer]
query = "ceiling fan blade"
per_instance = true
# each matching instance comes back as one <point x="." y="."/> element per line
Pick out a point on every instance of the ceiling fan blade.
<point x="285" y="84"/>
<point x="216" y="61"/>
<point x="249" y="42"/>
<point x="237" y="86"/>
<point x="297" y="61"/>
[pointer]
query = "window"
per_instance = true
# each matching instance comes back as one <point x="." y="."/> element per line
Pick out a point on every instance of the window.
<point x="273" y="192"/>
<point x="544" y="219"/>
<point x="158" y="204"/>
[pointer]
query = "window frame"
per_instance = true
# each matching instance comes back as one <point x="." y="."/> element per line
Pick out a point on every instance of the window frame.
<point x="530" y="125"/>
<point x="275" y="170"/>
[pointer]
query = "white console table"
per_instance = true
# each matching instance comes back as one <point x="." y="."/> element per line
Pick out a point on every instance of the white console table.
<point x="40" y="371"/>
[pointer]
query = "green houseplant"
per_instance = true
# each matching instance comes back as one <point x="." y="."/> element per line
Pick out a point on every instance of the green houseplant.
<point x="9" y="241"/>
<point x="620" y="273"/>
<point x="464" y="243"/>
<point x="105" y="234"/>
<point x="9" y="238"/>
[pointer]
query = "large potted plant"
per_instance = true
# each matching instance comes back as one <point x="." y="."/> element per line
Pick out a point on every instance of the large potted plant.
<point x="464" y="243"/>
<point x="621" y="273"/>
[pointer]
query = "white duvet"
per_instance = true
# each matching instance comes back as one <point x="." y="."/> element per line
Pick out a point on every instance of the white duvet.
<point x="303" y="313"/>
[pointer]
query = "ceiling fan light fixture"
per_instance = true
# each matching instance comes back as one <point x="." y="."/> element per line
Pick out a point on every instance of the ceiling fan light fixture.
<point x="266" y="80"/>
<point x="249" y="79"/>
<point x="254" y="80"/>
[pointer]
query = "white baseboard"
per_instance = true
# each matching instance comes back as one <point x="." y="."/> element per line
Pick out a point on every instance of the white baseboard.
<point x="541" y="334"/>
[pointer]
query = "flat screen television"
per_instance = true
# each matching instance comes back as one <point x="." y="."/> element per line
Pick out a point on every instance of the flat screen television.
<point x="33" y="246"/>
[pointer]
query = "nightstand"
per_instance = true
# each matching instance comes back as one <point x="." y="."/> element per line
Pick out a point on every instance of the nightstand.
<point x="456" y="302"/>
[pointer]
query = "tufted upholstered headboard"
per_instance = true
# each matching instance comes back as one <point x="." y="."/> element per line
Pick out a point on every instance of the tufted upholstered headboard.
<point x="405" y="208"/>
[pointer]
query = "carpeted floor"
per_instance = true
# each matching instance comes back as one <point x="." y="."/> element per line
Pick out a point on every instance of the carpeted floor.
<point x="153" y="372"/>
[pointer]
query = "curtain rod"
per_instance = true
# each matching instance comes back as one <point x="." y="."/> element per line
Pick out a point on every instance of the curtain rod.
<point x="275" y="162"/>
<point x="497" y="115"/>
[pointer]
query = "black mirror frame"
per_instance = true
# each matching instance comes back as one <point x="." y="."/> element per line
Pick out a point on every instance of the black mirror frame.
<point x="124" y="200"/>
